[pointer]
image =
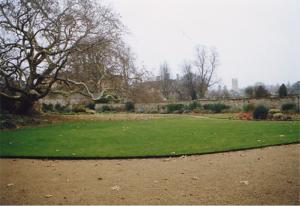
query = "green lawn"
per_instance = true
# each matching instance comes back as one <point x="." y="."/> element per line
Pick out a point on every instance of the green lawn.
<point x="166" y="136"/>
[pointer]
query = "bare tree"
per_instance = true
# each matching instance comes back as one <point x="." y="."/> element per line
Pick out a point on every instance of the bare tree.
<point x="37" y="39"/>
<point x="206" y="63"/>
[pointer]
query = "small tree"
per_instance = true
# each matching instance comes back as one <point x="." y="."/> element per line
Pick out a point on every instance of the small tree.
<point x="165" y="82"/>
<point x="282" y="91"/>
<point x="249" y="91"/>
<point x="189" y="81"/>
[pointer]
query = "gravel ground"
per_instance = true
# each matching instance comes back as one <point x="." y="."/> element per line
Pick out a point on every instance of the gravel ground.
<point x="261" y="176"/>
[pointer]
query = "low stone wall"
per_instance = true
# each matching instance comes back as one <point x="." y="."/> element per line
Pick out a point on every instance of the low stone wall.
<point x="235" y="104"/>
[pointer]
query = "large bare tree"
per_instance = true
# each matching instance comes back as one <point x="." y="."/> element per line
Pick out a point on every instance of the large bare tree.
<point x="206" y="63"/>
<point x="37" y="37"/>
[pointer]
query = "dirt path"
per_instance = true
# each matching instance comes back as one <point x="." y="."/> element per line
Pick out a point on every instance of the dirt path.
<point x="261" y="176"/>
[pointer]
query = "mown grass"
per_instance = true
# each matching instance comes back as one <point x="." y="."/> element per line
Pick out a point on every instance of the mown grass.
<point x="154" y="137"/>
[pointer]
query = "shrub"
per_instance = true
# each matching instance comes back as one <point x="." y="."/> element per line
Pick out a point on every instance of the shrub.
<point x="288" y="107"/>
<point x="78" y="108"/>
<point x="217" y="108"/>
<point x="274" y="111"/>
<point x="173" y="107"/>
<point x="196" y="110"/>
<point x="129" y="106"/>
<point x="90" y="105"/>
<point x="106" y="108"/>
<point x="47" y="107"/>
<point x="58" y="107"/>
<point x="248" y="107"/>
<point x="278" y="116"/>
<point x="178" y="112"/>
<point x="260" y="112"/>
<point x="193" y="105"/>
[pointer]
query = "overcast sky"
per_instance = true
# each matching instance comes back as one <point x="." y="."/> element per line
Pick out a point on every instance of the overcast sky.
<point x="257" y="40"/>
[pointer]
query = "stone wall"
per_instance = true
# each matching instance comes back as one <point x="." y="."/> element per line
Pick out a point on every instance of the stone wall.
<point x="235" y="104"/>
<point x="62" y="100"/>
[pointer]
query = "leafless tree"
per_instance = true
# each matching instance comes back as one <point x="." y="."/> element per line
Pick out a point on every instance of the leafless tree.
<point x="206" y="63"/>
<point x="38" y="37"/>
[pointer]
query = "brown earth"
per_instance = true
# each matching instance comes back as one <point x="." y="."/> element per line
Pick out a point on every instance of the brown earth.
<point x="261" y="176"/>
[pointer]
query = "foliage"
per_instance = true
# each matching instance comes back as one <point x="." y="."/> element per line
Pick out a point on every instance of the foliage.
<point x="217" y="108"/>
<point x="47" y="107"/>
<point x="165" y="135"/>
<point x="295" y="89"/>
<point x="78" y="108"/>
<point x="249" y="91"/>
<point x="90" y="105"/>
<point x="260" y="112"/>
<point x="248" y="107"/>
<point x="288" y="107"/>
<point x="174" y="107"/>
<point x="106" y="108"/>
<point x="258" y="91"/>
<point x="193" y="105"/>
<point x="60" y="108"/>
<point x="274" y="111"/>
<point x="282" y="92"/>
<point x="129" y="106"/>
<point x="261" y="91"/>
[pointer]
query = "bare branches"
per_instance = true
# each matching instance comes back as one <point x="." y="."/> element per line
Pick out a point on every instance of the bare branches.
<point x="37" y="39"/>
<point x="206" y="63"/>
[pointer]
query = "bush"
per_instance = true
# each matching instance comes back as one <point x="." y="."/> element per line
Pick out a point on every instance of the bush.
<point x="78" y="108"/>
<point x="193" y="105"/>
<point x="278" y="116"/>
<point x="248" y="107"/>
<point x="196" y="110"/>
<point x="274" y="111"/>
<point x="260" y="112"/>
<point x="59" y="108"/>
<point x="47" y="107"/>
<point x="217" y="108"/>
<point x="288" y="107"/>
<point x="174" y="107"/>
<point x="129" y="106"/>
<point x="90" y="105"/>
<point x="106" y="108"/>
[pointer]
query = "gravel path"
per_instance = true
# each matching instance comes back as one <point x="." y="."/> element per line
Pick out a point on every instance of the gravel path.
<point x="260" y="176"/>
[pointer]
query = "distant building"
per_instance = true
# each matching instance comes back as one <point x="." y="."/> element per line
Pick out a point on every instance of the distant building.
<point x="235" y="86"/>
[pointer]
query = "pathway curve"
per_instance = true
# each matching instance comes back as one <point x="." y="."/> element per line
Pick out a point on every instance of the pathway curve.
<point x="261" y="176"/>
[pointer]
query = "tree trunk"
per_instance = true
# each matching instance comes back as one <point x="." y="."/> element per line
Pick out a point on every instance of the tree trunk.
<point x="25" y="106"/>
